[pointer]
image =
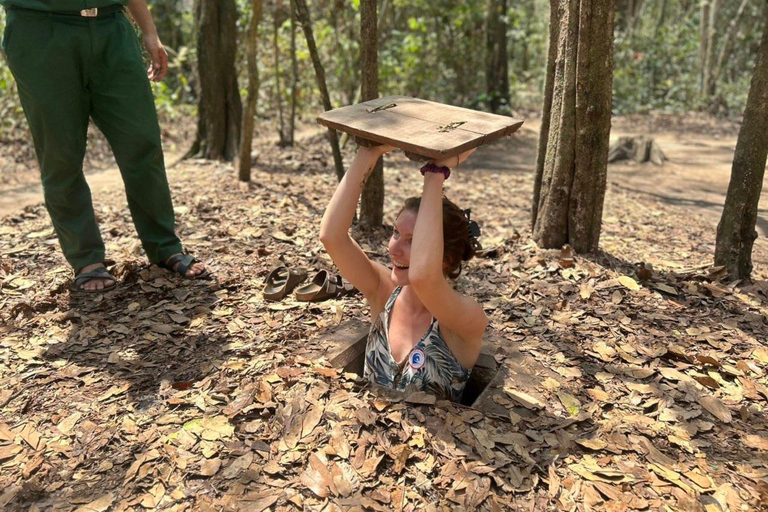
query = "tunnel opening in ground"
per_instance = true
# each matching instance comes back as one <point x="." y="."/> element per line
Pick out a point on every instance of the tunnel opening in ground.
<point x="351" y="359"/>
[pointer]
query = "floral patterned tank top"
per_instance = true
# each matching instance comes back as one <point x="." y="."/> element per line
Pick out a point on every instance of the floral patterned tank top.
<point x="430" y="365"/>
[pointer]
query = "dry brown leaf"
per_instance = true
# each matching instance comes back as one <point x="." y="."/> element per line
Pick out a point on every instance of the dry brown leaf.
<point x="262" y="503"/>
<point x="524" y="399"/>
<point x="209" y="467"/>
<point x="6" y="434"/>
<point x="570" y="402"/>
<point x="365" y="416"/>
<point x="554" y="482"/>
<point x="761" y="354"/>
<point x="629" y="283"/>
<point x="671" y="476"/>
<point x="66" y="425"/>
<point x="605" y="352"/>
<point x="152" y="498"/>
<point x="114" y="391"/>
<point x="30" y="435"/>
<point x="665" y="288"/>
<point x="237" y="466"/>
<point x="421" y="398"/>
<point x="706" y="381"/>
<point x="311" y="420"/>
<point x="344" y="478"/>
<point x="100" y="504"/>
<point x="317" y="478"/>
<point x="592" y="444"/>
<point x="756" y="442"/>
<point x="717" y="408"/>
<point x="338" y="444"/>
<point x="9" y="451"/>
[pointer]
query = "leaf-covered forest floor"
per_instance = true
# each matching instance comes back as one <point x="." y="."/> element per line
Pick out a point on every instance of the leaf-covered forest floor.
<point x="623" y="389"/>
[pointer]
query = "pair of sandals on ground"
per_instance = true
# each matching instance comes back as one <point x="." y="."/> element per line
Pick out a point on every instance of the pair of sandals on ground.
<point x="323" y="286"/>
<point x="179" y="263"/>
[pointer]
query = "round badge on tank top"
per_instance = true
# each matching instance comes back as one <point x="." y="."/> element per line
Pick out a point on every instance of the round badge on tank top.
<point x="417" y="359"/>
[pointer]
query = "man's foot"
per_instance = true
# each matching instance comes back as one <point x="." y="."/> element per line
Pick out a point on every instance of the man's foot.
<point x="175" y="262"/>
<point x="95" y="283"/>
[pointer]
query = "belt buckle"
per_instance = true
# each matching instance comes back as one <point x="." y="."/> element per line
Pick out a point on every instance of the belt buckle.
<point x="90" y="13"/>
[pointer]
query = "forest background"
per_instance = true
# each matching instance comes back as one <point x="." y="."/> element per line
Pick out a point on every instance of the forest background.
<point x="669" y="56"/>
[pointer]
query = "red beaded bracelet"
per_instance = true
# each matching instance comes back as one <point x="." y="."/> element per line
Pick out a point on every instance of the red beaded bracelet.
<point x="430" y="167"/>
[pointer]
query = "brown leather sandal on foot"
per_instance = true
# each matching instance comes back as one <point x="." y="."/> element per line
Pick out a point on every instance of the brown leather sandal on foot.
<point x="97" y="273"/>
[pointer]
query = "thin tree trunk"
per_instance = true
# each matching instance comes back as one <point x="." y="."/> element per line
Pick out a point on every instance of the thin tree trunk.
<point x="725" y="47"/>
<point x="549" y="87"/>
<point x="245" y="162"/>
<point x="736" y="231"/>
<point x="628" y="13"/>
<point x="372" y="202"/>
<point x="662" y="18"/>
<point x="710" y="57"/>
<point x="571" y="176"/>
<point x="278" y="90"/>
<point x="302" y="14"/>
<point x="497" y="62"/>
<point x="656" y="32"/>
<point x="703" y="41"/>
<point x="294" y="77"/>
<point x="384" y="3"/>
<point x="220" y="110"/>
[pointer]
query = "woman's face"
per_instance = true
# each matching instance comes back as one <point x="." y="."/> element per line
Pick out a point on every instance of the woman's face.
<point x="400" y="247"/>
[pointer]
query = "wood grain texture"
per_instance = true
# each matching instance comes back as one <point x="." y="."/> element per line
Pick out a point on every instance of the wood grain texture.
<point x="419" y="126"/>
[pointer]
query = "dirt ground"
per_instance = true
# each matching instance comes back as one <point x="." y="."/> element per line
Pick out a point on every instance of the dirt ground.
<point x="695" y="177"/>
<point x="619" y="387"/>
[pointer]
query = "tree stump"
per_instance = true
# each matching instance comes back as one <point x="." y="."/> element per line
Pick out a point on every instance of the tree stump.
<point x="640" y="149"/>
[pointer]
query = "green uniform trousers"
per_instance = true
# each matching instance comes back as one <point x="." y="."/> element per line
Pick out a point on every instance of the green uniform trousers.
<point x="69" y="69"/>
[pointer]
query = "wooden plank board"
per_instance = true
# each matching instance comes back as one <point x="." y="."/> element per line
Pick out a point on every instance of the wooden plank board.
<point x="419" y="126"/>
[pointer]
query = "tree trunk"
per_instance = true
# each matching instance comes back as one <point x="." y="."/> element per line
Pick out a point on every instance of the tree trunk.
<point x="244" y="162"/>
<point x="651" y="93"/>
<point x="571" y="171"/>
<point x="736" y="231"/>
<point x="358" y="96"/>
<point x="725" y="47"/>
<point x="277" y="22"/>
<point x="710" y="56"/>
<point x="628" y="11"/>
<point x="549" y="87"/>
<point x="661" y="19"/>
<point x="302" y="14"/>
<point x="220" y="111"/>
<point x="497" y="63"/>
<point x="372" y="203"/>
<point x="294" y="77"/>
<point x="703" y="41"/>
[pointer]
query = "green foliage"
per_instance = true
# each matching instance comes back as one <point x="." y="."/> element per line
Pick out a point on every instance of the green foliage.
<point x="175" y="26"/>
<point x="657" y="67"/>
<point x="13" y="124"/>
<point x="435" y="52"/>
<point x="656" y="71"/>
<point x="437" y="49"/>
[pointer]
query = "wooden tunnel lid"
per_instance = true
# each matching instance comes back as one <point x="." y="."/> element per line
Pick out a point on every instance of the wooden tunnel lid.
<point x="419" y="126"/>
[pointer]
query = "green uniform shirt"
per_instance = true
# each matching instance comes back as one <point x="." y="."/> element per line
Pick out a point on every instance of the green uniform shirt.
<point x="61" y="5"/>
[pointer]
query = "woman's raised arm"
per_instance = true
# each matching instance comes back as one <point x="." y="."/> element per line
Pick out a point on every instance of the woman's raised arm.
<point x="354" y="265"/>
<point x="461" y="316"/>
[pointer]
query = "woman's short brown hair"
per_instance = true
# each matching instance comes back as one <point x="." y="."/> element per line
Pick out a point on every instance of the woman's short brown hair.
<point x="458" y="245"/>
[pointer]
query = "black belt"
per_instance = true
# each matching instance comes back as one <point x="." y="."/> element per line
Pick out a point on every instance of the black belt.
<point x="94" y="12"/>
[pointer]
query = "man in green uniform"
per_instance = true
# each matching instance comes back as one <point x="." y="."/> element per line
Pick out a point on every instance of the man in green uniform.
<point x="80" y="59"/>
